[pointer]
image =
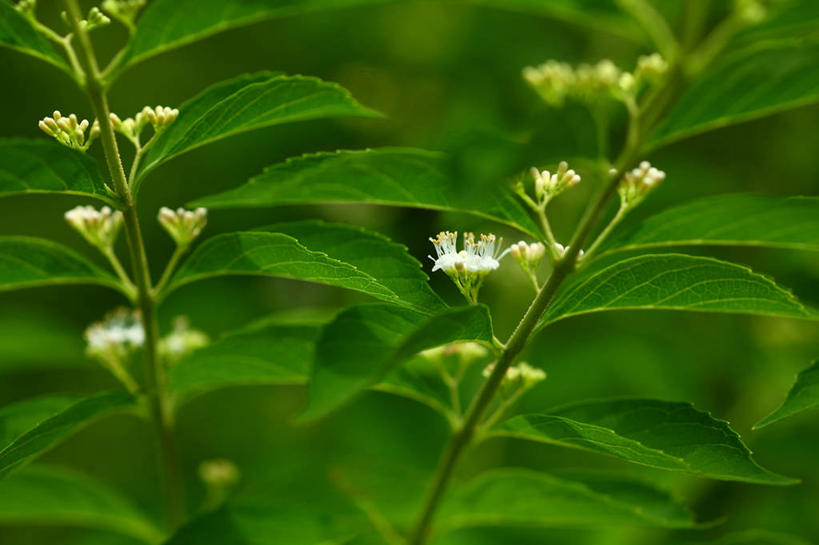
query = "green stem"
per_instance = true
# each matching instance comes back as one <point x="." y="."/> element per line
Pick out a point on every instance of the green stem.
<point x="155" y="380"/>
<point x="168" y="272"/>
<point x="123" y="276"/>
<point x="621" y="213"/>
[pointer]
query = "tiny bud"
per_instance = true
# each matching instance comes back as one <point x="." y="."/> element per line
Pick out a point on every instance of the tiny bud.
<point x="183" y="225"/>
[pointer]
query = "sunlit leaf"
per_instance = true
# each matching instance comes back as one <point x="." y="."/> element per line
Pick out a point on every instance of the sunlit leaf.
<point x="804" y="395"/>
<point x="16" y="32"/>
<point x="249" y="102"/>
<point x="52" y="496"/>
<point x="357" y="260"/>
<point x="755" y="82"/>
<point x="50" y="423"/>
<point x="523" y="497"/>
<point x="364" y="343"/>
<point x="674" y="281"/>
<point x="666" y="435"/>
<point x="27" y="262"/>
<point x="728" y="220"/>
<point x="387" y="176"/>
<point x="42" y="166"/>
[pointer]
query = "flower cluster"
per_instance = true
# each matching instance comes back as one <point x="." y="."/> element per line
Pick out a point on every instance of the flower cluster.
<point x="529" y="257"/>
<point x="123" y="10"/>
<point x="638" y="183"/>
<point x="95" y="19"/>
<point x="469" y="267"/>
<point x="591" y="83"/>
<point x="159" y="118"/>
<point x="113" y="340"/>
<point x="100" y="228"/>
<point x="183" y="225"/>
<point x="548" y="185"/>
<point x="26" y="7"/>
<point x="518" y="375"/>
<point x="69" y="131"/>
<point x="181" y="341"/>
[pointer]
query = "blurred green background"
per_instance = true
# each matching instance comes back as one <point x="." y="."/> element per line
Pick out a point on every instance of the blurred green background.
<point x="447" y="77"/>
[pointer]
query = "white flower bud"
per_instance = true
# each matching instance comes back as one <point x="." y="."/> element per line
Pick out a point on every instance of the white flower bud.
<point x="181" y="341"/>
<point x="100" y="228"/>
<point x="183" y="225"/>
<point x="637" y="183"/>
<point x="68" y="131"/>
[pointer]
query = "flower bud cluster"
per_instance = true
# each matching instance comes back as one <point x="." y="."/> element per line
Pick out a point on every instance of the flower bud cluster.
<point x="638" y="183"/>
<point x="26" y="7"/>
<point x="469" y="267"/>
<point x="467" y="352"/>
<point x="95" y="19"/>
<point x="69" y="131"/>
<point x="529" y="257"/>
<point x="552" y="80"/>
<point x="181" y="341"/>
<point x="548" y="185"/>
<point x="123" y="10"/>
<point x="114" y="340"/>
<point x="650" y="67"/>
<point x="100" y="228"/>
<point x="520" y="375"/>
<point x="159" y="118"/>
<point x="183" y="225"/>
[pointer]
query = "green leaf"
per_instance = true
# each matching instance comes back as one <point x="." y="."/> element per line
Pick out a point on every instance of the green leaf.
<point x="17" y="32"/>
<point x="755" y="82"/>
<point x="661" y="434"/>
<point x="271" y="354"/>
<point x="27" y="262"/>
<point x="674" y="282"/>
<point x="167" y="24"/>
<point x="387" y="176"/>
<point x="728" y="220"/>
<point x="42" y="166"/>
<point x="47" y="432"/>
<point x="754" y="537"/>
<point x="804" y="395"/>
<point x="370" y="253"/>
<point x="246" y="103"/>
<point x="364" y="343"/>
<point x="525" y="497"/>
<point x="18" y="418"/>
<point x="44" y="495"/>
<point x="387" y="274"/>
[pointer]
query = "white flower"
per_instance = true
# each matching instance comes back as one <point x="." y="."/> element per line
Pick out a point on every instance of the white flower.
<point x="548" y="185"/>
<point x="183" y="225"/>
<point x="181" y="341"/>
<point x="117" y="335"/>
<point x="100" y="228"/>
<point x="637" y="183"/>
<point x="520" y="374"/>
<point x="467" y="268"/>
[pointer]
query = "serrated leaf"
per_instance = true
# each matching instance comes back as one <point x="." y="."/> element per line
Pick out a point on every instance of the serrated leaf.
<point x="674" y="282"/>
<point x="246" y="103"/>
<point x="376" y="266"/>
<point x="388" y="176"/>
<point x="803" y="395"/>
<point x="755" y="82"/>
<point x="44" y="495"/>
<point x="661" y="434"/>
<point x="274" y="354"/>
<point x="364" y="343"/>
<point x="46" y="433"/>
<point x="728" y="220"/>
<point x="41" y="166"/>
<point x="27" y="262"/>
<point x="524" y="497"/>
<point x="16" y="32"/>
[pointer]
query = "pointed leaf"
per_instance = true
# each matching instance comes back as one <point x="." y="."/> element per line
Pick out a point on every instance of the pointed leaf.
<point x="275" y="254"/>
<point x="755" y="82"/>
<point x="387" y="176"/>
<point x="804" y="395"/>
<point x="48" y="432"/>
<point x="364" y="343"/>
<point x="27" y="262"/>
<point x="676" y="282"/>
<point x="728" y="220"/>
<point x="16" y="32"/>
<point x="44" y="495"/>
<point x="666" y="435"/>
<point x="18" y="418"/>
<point x="524" y="497"/>
<point x="41" y="166"/>
<point x="246" y="103"/>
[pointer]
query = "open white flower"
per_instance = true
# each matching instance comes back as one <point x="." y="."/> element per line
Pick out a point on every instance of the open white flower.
<point x="468" y="267"/>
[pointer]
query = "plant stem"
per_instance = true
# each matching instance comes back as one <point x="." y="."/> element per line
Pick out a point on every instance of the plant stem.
<point x="618" y="217"/>
<point x="155" y="380"/>
<point x="169" y="269"/>
<point x="123" y="276"/>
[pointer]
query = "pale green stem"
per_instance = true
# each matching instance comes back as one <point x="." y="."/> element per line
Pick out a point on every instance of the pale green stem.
<point x="123" y="276"/>
<point x="504" y="406"/>
<point x="155" y="380"/>
<point x="618" y="217"/>
<point x="168" y="272"/>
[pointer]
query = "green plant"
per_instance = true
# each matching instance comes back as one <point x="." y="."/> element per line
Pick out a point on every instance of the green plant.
<point x="410" y="343"/>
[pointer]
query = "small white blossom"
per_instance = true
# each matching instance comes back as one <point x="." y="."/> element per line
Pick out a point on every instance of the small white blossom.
<point x="548" y="185"/>
<point x="521" y="374"/>
<point x="181" y="341"/>
<point x="183" y="225"/>
<point x="552" y="80"/>
<point x="467" y="268"/>
<point x="650" y="67"/>
<point x="69" y="131"/>
<point x="637" y="183"/>
<point x="100" y="228"/>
